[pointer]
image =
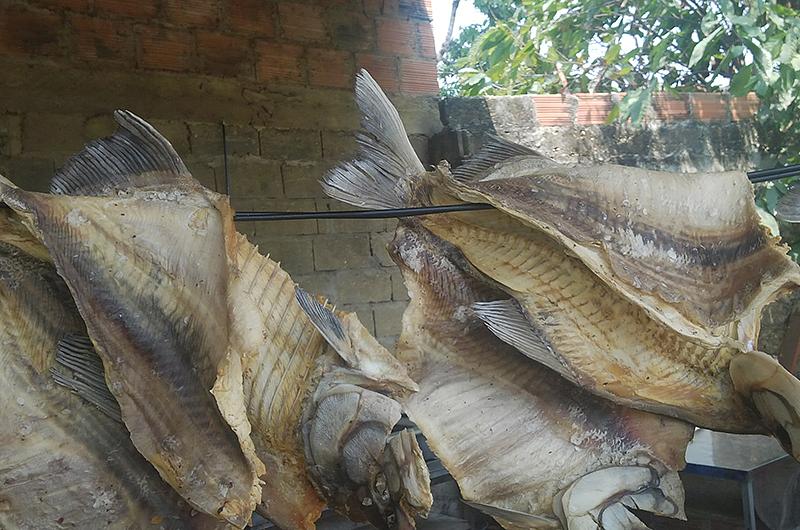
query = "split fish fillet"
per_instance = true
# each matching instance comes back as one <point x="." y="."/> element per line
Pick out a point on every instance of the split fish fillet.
<point x="319" y="426"/>
<point x="523" y="445"/>
<point x="180" y="303"/>
<point x="530" y="449"/>
<point x="64" y="462"/>
<point x="558" y="310"/>
<point x="141" y="247"/>
<point x="688" y="248"/>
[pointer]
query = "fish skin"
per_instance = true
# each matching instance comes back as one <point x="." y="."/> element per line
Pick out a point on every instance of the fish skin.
<point x="610" y="345"/>
<point x="485" y="409"/>
<point x="64" y="462"/>
<point x="688" y="248"/>
<point x="280" y="350"/>
<point x="133" y="287"/>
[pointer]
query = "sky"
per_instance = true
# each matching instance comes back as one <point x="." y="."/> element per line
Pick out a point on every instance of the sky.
<point x="466" y="15"/>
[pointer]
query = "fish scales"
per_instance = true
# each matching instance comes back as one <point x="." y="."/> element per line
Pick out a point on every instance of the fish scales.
<point x="52" y="435"/>
<point x="606" y="339"/>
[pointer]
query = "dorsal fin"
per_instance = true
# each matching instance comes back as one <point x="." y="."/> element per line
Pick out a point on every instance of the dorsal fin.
<point x="79" y="368"/>
<point x="386" y="160"/>
<point x="789" y="206"/>
<point x="508" y="322"/>
<point x="135" y="155"/>
<point x="493" y="152"/>
<point x="326" y="323"/>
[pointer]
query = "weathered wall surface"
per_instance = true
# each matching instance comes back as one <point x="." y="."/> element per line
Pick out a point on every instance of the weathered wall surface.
<point x="279" y="74"/>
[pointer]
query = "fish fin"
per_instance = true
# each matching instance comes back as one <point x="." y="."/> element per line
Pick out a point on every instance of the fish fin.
<point x="516" y="518"/>
<point x="493" y="152"/>
<point x="774" y="392"/>
<point x="81" y="370"/>
<point x="600" y="499"/>
<point x="135" y="155"/>
<point x="327" y="323"/>
<point x="788" y="208"/>
<point x="386" y="159"/>
<point x="355" y="345"/>
<point x="508" y="322"/>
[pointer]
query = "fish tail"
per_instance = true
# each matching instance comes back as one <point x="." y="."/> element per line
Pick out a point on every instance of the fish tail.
<point x="378" y="178"/>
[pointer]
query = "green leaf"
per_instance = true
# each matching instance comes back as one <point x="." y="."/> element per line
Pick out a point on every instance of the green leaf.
<point x="699" y="50"/>
<point x="740" y="83"/>
<point x="612" y="53"/>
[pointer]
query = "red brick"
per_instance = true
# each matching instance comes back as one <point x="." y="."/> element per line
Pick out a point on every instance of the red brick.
<point x="29" y="31"/>
<point x="203" y="13"/>
<point x="350" y="30"/>
<point x="280" y="62"/>
<point x="383" y="69"/>
<point x="102" y="39"/>
<point x="396" y="37"/>
<point x="669" y="107"/>
<point x="251" y="16"/>
<point x="552" y="109"/>
<point x="302" y="22"/>
<point x="330" y="68"/>
<point x="418" y="77"/>
<point x="163" y="49"/>
<point x="128" y="8"/>
<point x="743" y="108"/>
<point x="709" y="107"/>
<point x="72" y="5"/>
<point x="426" y="45"/>
<point x="225" y="55"/>
<point x="593" y="109"/>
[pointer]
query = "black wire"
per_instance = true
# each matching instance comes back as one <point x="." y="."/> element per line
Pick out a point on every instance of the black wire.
<point x="763" y="175"/>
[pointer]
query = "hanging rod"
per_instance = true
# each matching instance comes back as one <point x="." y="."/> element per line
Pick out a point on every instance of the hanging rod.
<point x="758" y="176"/>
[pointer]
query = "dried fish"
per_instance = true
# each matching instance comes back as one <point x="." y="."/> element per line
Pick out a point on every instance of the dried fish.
<point x="523" y="445"/>
<point x="687" y="248"/>
<point x="65" y="462"/>
<point x="141" y="247"/>
<point x="588" y="323"/>
<point x="532" y="450"/>
<point x="321" y="420"/>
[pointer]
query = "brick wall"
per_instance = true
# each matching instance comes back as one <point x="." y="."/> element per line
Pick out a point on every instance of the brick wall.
<point x="279" y="74"/>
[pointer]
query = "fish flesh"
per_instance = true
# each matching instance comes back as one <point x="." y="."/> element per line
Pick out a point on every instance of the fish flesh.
<point x="530" y="449"/>
<point x="686" y="247"/>
<point x="65" y="462"/>
<point x="298" y="390"/>
<point x="193" y="324"/>
<point x="522" y="445"/>
<point x="141" y="247"/>
<point x="559" y="311"/>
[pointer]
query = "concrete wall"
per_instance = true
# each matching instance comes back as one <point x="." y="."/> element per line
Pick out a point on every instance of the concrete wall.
<point x="278" y="73"/>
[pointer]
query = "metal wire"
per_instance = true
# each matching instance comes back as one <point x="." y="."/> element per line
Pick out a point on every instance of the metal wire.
<point x="759" y="176"/>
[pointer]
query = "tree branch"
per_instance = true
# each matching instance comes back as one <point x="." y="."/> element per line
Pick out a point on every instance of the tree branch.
<point x="450" y="27"/>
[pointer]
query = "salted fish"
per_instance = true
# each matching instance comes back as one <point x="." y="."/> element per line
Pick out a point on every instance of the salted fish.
<point x="141" y="246"/>
<point x="559" y="312"/>
<point x="274" y="358"/>
<point x="65" y="462"/>
<point x="318" y="422"/>
<point x="524" y="446"/>
<point x="686" y="247"/>
<point x="529" y="449"/>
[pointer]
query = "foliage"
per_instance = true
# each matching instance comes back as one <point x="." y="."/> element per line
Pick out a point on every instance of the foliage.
<point x="640" y="47"/>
